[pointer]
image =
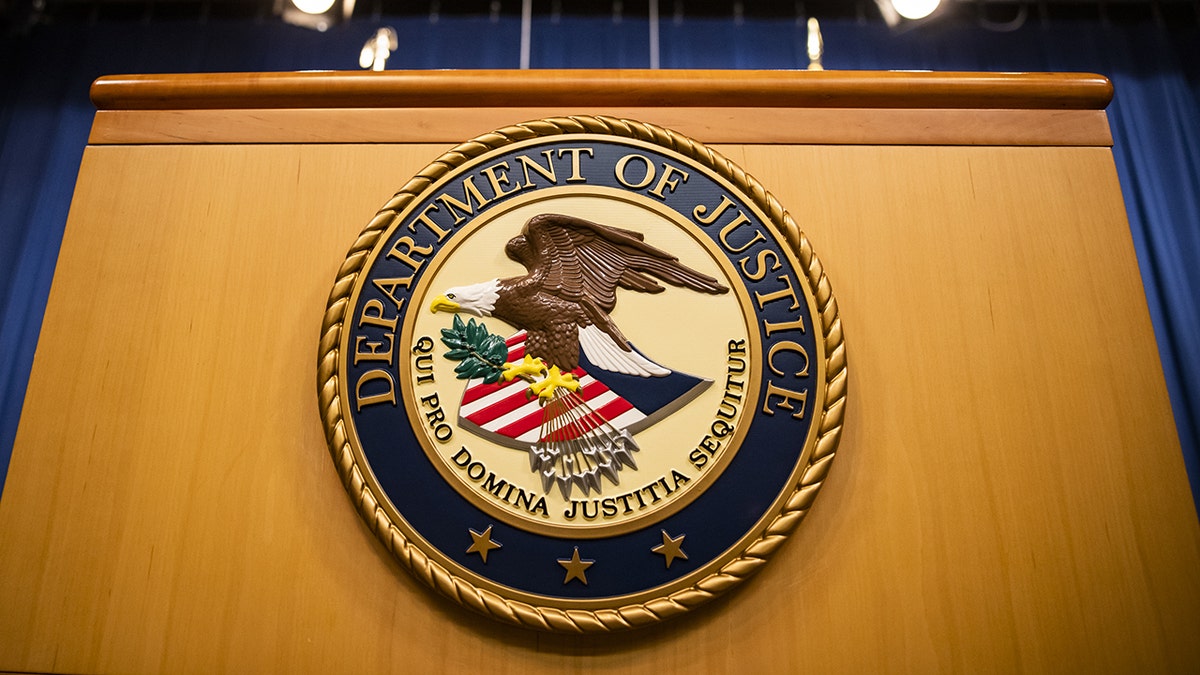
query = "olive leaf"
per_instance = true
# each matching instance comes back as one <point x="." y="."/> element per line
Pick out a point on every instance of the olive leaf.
<point x="480" y="353"/>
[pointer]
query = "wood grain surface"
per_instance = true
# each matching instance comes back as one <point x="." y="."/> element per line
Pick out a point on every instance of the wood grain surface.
<point x="1009" y="494"/>
<point x="843" y="126"/>
<point x="788" y="107"/>
<point x="647" y="88"/>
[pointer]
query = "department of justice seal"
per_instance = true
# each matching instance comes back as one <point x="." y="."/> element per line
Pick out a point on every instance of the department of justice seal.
<point x="582" y="374"/>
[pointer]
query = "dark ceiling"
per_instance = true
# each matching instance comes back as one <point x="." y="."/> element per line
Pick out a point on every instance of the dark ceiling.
<point x="16" y="13"/>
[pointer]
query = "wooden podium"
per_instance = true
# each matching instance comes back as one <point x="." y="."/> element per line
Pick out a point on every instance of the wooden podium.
<point x="1009" y="493"/>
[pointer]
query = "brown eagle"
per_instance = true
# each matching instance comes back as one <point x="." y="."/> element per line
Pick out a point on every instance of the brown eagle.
<point x="574" y="270"/>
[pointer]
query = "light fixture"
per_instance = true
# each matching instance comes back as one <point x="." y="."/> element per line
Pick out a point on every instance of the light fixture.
<point x="315" y="14"/>
<point x="915" y="9"/>
<point x="379" y="47"/>
<point x="815" y="45"/>
<point x="897" y="13"/>
<point x="314" y="6"/>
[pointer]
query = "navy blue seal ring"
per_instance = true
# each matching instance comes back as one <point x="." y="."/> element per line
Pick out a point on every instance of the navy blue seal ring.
<point x="582" y="374"/>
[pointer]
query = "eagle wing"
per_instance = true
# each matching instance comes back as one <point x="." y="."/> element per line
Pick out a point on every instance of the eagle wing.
<point x="582" y="260"/>
<point x="584" y="263"/>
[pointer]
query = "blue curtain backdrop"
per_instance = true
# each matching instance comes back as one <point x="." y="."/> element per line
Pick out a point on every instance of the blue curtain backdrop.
<point x="45" y="116"/>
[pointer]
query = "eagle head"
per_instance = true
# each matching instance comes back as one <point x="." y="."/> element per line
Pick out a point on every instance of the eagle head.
<point x="478" y="299"/>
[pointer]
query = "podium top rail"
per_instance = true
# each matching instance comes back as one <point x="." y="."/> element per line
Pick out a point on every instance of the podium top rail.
<point x="641" y="88"/>
<point x="715" y="106"/>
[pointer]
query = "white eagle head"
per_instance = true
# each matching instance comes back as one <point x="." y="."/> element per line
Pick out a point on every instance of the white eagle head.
<point x="478" y="299"/>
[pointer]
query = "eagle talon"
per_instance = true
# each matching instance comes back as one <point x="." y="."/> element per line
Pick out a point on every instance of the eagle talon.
<point x="527" y="368"/>
<point x="554" y="379"/>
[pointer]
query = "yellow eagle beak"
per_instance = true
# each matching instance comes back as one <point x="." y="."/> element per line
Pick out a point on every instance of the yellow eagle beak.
<point x="442" y="303"/>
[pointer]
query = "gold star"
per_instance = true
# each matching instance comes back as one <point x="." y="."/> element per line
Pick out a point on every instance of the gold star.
<point x="482" y="543"/>
<point x="576" y="567"/>
<point x="670" y="549"/>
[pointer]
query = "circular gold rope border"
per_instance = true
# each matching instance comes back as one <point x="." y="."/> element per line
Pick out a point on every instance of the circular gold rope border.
<point x="551" y="618"/>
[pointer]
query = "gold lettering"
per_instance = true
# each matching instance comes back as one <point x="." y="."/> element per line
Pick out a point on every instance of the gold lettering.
<point x="372" y="352"/>
<point x="786" y="396"/>
<point x="700" y="210"/>
<point x="388" y="395"/>
<point x="546" y="172"/>
<point x="372" y="314"/>
<point x="797" y="324"/>
<point x="738" y="222"/>
<point x="405" y="256"/>
<point x="424" y="219"/>
<point x="624" y="162"/>
<point x="666" y="182"/>
<point x="761" y="259"/>
<point x="787" y="292"/>
<point x="575" y="177"/>
<point x="388" y="288"/>
<point x="787" y="346"/>
<point x="496" y="177"/>
<point x="469" y="192"/>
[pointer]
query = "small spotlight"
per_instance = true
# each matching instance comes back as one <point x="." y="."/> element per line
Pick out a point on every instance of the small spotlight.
<point x="904" y="14"/>
<point x="915" y="9"/>
<point x="315" y="14"/>
<point x="314" y="6"/>
<point x="815" y="44"/>
<point x="379" y="47"/>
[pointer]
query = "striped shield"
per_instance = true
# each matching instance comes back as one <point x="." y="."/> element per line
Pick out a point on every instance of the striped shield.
<point x="505" y="412"/>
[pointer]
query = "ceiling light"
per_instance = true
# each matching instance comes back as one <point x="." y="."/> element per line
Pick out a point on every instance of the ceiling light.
<point x="314" y="14"/>
<point x="379" y="47"/>
<point x="915" y="9"/>
<point x="313" y="6"/>
<point x="903" y="15"/>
